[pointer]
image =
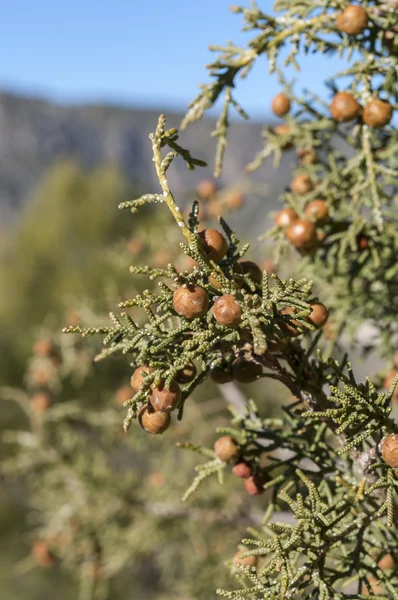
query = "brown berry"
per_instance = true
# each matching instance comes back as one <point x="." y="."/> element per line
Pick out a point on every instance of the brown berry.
<point x="40" y="402"/>
<point x="353" y="20"/>
<point x="284" y="130"/>
<point x="307" y="156"/>
<point x="206" y="189"/>
<point x="386" y="562"/>
<point x="227" y="311"/>
<point x="214" y="244"/>
<point x="301" y="234"/>
<point x="42" y="555"/>
<point x="152" y="421"/>
<point x="242" y="469"/>
<point x="187" y="374"/>
<point x="362" y="242"/>
<point x="389" y="450"/>
<point x="234" y="199"/>
<point x="280" y="105"/>
<point x="388" y="383"/>
<point x="226" y="448"/>
<point x="247" y="561"/>
<point x="123" y="394"/>
<point x="246" y="371"/>
<point x="302" y="184"/>
<point x="43" y="347"/>
<point x="344" y="107"/>
<point x="255" y="485"/>
<point x="317" y="211"/>
<point x="221" y="376"/>
<point x="252" y="269"/>
<point x="163" y="399"/>
<point x="191" y="301"/>
<point x="285" y="217"/>
<point x="137" y="379"/>
<point x="319" y="314"/>
<point x="290" y="328"/>
<point x="377" y="113"/>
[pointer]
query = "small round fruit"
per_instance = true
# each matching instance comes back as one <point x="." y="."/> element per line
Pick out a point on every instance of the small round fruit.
<point x="226" y="448"/>
<point x="152" y="421"/>
<point x="40" y="402"/>
<point x="242" y="470"/>
<point x="344" y="107"/>
<point x="307" y="156"/>
<point x="163" y="399"/>
<point x="280" y="105"/>
<point x="302" y="184"/>
<point x="123" y="394"/>
<point x="221" y="376"/>
<point x="206" y="189"/>
<point x="353" y="20"/>
<point x="41" y="553"/>
<point x="362" y="242"/>
<point x="255" y="485"/>
<point x="317" y="211"/>
<point x="284" y="130"/>
<point x="246" y="371"/>
<point x="285" y="217"/>
<point x="214" y="244"/>
<point x="138" y="376"/>
<point x="388" y="383"/>
<point x="389" y="450"/>
<point x="191" y="301"/>
<point x="290" y="328"/>
<point x="386" y="562"/>
<point x="252" y="269"/>
<point x="301" y="234"/>
<point x="227" y="311"/>
<point x="247" y="561"/>
<point x="187" y="374"/>
<point x="377" y="113"/>
<point x="234" y="199"/>
<point x="319" y="314"/>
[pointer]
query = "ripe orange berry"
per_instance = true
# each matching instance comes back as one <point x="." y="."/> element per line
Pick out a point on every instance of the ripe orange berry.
<point x="40" y="402"/>
<point x="227" y="311"/>
<point x="285" y="217"/>
<point x="362" y="242"/>
<point x="248" y="561"/>
<point x="252" y="269"/>
<point x="302" y="184"/>
<point x="187" y="374"/>
<point x="301" y="234"/>
<point x="226" y="448"/>
<point x="163" y="399"/>
<point x="290" y="328"/>
<point x="386" y="562"/>
<point x="284" y="130"/>
<point x="206" y="189"/>
<point x="137" y="379"/>
<point x="255" y="485"/>
<point x="152" y="421"/>
<point x="344" y="107"/>
<point x="317" y="211"/>
<point x="246" y="371"/>
<point x="389" y="450"/>
<point x="191" y="301"/>
<point x="280" y="105"/>
<point x="221" y="376"/>
<point x="377" y="113"/>
<point x="242" y="470"/>
<point x="353" y="20"/>
<point x="388" y="383"/>
<point x="42" y="555"/>
<point x="319" y="314"/>
<point x="214" y="244"/>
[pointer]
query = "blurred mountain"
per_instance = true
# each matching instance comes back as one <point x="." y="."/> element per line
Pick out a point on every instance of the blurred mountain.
<point x="34" y="133"/>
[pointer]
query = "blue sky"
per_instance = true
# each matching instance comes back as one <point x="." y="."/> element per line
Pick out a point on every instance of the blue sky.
<point x="147" y="53"/>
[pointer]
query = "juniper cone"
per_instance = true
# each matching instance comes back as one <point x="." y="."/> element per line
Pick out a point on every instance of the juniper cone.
<point x="327" y="459"/>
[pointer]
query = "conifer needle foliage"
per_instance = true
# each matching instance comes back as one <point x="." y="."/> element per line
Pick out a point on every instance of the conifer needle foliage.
<point x="329" y="464"/>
